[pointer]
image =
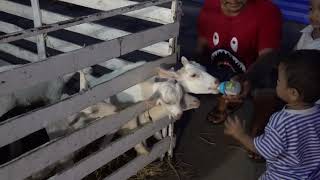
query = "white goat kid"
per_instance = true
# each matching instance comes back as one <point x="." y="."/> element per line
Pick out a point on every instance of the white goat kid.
<point x="193" y="78"/>
<point x="157" y="113"/>
<point x="48" y="92"/>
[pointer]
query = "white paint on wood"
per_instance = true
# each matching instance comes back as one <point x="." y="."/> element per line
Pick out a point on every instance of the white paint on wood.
<point x="89" y="29"/>
<point x="60" y="45"/>
<point x="112" y="151"/>
<point x="155" y="14"/>
<point x="19" y="52"/>
<point x="37" y="21"/>
<point x="31" y="74"/>
<point x="16" y="128"/>
<point x="3" y="63"/>
<point x="132" y="167"/>
<point x="51" y="152"/>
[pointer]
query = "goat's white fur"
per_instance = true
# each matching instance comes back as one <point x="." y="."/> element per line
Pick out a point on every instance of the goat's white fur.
<point x="193" y="77"/>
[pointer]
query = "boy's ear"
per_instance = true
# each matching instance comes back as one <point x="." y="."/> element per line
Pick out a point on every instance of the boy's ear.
<point x="294" y="94"/>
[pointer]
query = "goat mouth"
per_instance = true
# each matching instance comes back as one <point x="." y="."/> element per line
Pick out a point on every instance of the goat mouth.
<point x="224" y="58"/>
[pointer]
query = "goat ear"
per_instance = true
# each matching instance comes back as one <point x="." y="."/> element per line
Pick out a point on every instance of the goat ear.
<point x="159" y="102"/>
<point x="167" y="74"/>
<point x="184" y="61"/>
<point x="190" y="102"/>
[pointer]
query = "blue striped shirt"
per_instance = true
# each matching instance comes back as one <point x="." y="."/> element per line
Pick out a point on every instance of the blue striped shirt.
<point x="291" y="145"/>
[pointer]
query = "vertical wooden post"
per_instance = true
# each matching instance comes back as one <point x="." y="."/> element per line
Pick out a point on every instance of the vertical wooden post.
<point x="174" y="48"/>
<point x="37" y="21"/>
<point x="176" y="16"/>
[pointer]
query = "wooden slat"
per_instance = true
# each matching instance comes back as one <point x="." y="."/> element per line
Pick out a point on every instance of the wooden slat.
<point x="89" y="29"/>
<point x="154" y="14"/>
<point x="70" y="22"/>
<point x="147" y="37"/>
<point x="57" y="44"/>
<point x="3" y="63"/>
<point x="16" y="128"/>
<point x="51" y="152"/>
<point x="37" y="20"/>
<point x="112" y="151"/>
<point x="140" y="162"/>
<point x="31" y="74"/>
<point x="19" y="52"/>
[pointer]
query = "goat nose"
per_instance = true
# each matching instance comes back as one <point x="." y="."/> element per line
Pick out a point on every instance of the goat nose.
<point x="197" y="103"/>
<point x="178" y="116"/>
<point x="216" y="82"/>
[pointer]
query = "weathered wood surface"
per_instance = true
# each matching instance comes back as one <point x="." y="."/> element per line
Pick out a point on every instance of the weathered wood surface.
<point x="140" y="162"/>
<point x="154" y="14"/>
<point x="112" y="151"/>
<point x="31" y="74"/>
<point x="16" y="128"/>
<point x="37" y="20"/>
<point x="49" y="153"/>
<point x="89" y="29"/>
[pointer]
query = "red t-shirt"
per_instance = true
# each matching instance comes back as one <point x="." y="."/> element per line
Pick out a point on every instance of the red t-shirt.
<point x="256" y="27"/>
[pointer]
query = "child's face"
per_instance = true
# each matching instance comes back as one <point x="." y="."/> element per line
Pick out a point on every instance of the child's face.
<point x="315" y="13"/>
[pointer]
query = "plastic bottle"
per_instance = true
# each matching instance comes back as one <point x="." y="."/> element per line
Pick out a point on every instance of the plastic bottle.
<point x="230" y="88"/>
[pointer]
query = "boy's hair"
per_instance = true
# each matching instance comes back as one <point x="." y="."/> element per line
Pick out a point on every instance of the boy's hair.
<point x="302" y="68"/>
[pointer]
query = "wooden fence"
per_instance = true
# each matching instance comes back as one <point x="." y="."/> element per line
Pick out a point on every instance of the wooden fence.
<point x="40" y="66"/>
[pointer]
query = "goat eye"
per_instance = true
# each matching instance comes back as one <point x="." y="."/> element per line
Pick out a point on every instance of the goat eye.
<point x="193" y="75"/>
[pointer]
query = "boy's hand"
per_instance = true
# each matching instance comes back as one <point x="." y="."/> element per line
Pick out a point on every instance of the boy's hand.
<point x="233" y="127"/>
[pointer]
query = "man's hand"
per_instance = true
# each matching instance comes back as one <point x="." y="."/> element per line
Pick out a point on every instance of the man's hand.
<point x="234" y="127"/>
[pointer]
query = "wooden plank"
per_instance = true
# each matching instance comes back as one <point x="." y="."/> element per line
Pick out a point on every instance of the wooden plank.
<point x="16" y="128"/>
<point x="140" y="162"/>
<point x="89" y="29"/>
<point x="37" y="20"/>
<point x="49" y="153"/>
<point x="176" y="10"/>
<point x="112" y="151"/>
<point x="19" y="52"/>
<point x="70" y="22"/>
<point x="4" y="63"/>
<point x="146" y="37"/>
<point x="31" y="74"/>
<point x="154" y="14"/>
<point x="58" y="44"/>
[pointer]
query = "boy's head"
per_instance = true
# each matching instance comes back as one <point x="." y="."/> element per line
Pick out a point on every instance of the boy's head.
<point x="299" y="77"/>
<point x="315" y="13"/>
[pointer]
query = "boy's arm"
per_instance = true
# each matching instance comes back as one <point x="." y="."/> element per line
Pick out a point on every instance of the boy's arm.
<point x="269" y="145"/>
<point x="234" y="128"/>
<point x="247" y="142"/>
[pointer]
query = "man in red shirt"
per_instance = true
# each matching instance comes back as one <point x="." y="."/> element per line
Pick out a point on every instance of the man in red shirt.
<point x="234" y="38"/>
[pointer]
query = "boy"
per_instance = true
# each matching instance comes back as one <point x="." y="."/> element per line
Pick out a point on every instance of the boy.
<point x="310" y="38"/>
<point x="291" y="141"/>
